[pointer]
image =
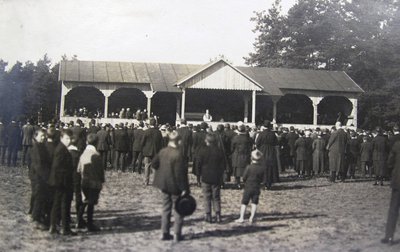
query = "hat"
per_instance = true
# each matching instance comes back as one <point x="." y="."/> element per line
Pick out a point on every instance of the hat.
<point x="242" y="128"/>
<point x="185" y="205"/>
<point x="173" y="136"/>
<point x="203" y="125"/>
<point x="256" y="155"/>
<point x="267" y="124"/>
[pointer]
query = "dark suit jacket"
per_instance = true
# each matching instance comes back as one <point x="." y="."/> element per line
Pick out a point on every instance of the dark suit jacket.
<point x="104" y="140"/>
<point x="366" y="152"/>
<point x="80" y="134"/>
<point x="151" y="142"/>
<point x="380" y="147"/>
<point x="61" y="168"/>
<point x="40" y="163"/>
<point x="291" y="138"/>
<point x="394" y="164"/>
<point x="198" y="142"/>
<point x="211" y="161"/>
<point x="137" y="139"/>
<point x="13" y="136"/>
<point x="121" y="140"/>
<point x="27" y="134"/>
<point x="241" y="149"/>
<point x="337" y="143"/>
<point x="303" y="147"/>
<point x="266" y="142"/>
<point x="171" y="172"/>
<point x="186" y="140"/>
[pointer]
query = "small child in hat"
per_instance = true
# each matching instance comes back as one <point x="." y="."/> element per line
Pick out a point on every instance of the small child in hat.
<point x="252" y="177"/>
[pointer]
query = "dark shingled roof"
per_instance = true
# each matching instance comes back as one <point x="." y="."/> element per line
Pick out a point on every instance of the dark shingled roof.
<point x="164" y="76"/>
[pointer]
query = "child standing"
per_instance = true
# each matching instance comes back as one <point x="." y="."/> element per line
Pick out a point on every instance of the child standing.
<point x="91" y="168"/>
<point x="252" y="177"/>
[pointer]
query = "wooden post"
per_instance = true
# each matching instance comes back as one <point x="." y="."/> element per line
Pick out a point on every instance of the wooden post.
<point x="246" y="108"/>
<point x="106" y="106"/>
<point x="149" y="95"/>
<point x="253" y="107"/>
<point x="183" y="103"/>
<point x="315" y="102"/>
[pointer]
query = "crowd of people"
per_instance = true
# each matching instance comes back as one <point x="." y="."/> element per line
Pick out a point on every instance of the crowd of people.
<point x="68" y="160"/>
<point x="123" y="113"/>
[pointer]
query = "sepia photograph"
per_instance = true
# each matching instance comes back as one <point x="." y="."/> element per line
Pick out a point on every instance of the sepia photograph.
<point x="200" y="125"/>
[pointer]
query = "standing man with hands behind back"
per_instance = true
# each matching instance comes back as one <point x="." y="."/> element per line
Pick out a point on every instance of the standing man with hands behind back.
<point x="172" y="179"/>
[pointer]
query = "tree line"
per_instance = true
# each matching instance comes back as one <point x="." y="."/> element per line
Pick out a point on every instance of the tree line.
<point x="361" y="37"/>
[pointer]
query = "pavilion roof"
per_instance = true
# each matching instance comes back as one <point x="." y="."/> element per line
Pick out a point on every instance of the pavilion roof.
<point x="164" y="77"/>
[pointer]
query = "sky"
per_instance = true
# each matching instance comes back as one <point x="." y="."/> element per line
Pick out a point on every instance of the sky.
<point x="165" y="31"/>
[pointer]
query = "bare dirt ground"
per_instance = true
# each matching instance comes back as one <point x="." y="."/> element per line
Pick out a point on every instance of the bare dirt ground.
<point x="298" y="215"/>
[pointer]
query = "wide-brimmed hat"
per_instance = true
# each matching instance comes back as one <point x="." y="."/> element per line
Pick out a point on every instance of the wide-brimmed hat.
<point x="256" y="155"/>
<point x="185" y="205"/>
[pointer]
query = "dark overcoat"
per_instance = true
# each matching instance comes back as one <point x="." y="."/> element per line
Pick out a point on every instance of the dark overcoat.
<point x="241" y="151"/>
<point x="40" y="163"/>
<point x="211" y="161"/>
<point x="27" y="134"/>
<point x="337" y="148"/>
<point x="318" y="160"/>
<point x="61" y="168"/>
<point x="394" y="165"/>
<point x="151" y="142"/>
<point x="121" y="140"/>
<point x="186" y="140"/>
<point x="137" y="140"/>
<point x="380" y="148"/>
<point x="103" y="140"/>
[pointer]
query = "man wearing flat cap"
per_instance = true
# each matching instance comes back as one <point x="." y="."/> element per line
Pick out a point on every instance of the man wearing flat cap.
<point x="171" y="178"/>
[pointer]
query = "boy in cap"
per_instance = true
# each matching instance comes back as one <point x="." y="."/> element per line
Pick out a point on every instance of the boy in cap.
<point x="253" y="176"/>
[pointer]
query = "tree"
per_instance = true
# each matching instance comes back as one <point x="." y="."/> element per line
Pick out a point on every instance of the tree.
<point x="360" y="37"/>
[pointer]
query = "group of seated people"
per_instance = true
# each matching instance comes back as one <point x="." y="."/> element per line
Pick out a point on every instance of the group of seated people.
<point x="123" y="113"/>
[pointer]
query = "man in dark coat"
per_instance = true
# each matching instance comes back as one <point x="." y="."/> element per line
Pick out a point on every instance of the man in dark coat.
<point x="137" y="148"/>
<point x="303" y="147"/>
<point x="211" y="161"/>
<point x="352" y="153"/>
<point x="79" y="133"/>
<point x="380" y="148"/>
<point x="199" y="137"/>
<point x="103" y="144"/>
<point x="229" y="135"/>
<point x="186" y="139"/>
<point x="13" y="143"/>
<point x="61" y="179"/>
<point x="3" y="142"/>
<point x="291" y="137"/>
<point x="39" y="170"/>
<point x="171" y="178"/>
<point x="121" y="146"/>
<point x="27" y="138"/>
<point x="337" y="148"/>
<point x="394" y="165"/>
<point x="241" y="149"/>
<point x="151" y="145"/>
<point x="266" y="143"/>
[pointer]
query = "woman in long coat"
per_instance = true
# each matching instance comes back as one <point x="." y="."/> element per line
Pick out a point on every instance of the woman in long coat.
<point x="241" y="150"/>
<point x="266" y="143"/>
